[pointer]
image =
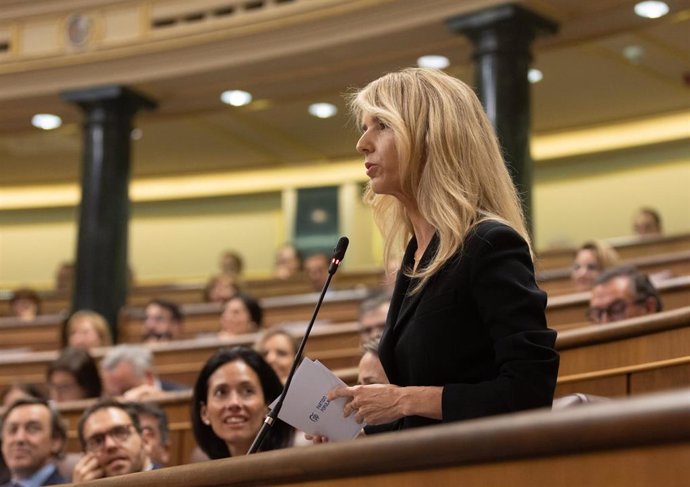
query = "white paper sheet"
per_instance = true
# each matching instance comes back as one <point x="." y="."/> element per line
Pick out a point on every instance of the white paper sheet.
<point x="307" y="408"/>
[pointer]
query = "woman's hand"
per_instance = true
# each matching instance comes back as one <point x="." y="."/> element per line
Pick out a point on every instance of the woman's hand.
<point x="372" y="404"/>
<point x="316" y="439"/>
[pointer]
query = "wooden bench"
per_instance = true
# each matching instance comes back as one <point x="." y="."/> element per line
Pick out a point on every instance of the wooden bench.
<point x="556" y="282"/>
<point x="572" y="308"/>
<point x="632" y="442"/>
<point x="627" y="381"/>
<point x="337" y="346"/>
<point x="181" y="293"/>
<point x="204" y="318"/>
<point x="627" y="247"/>
<point x="660" y="336"/>
<point x="43" y="333"/>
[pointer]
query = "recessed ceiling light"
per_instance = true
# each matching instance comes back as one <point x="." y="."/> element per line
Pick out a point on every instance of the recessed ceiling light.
<point x="534" y="75"/>
<point x="651" y="9"/>
<point x="433" y="61"/>
<point x="633" y="53"/>
<point x="236" y="98"/>
<point x="46" y="121"/>
<point x="323" y="110"/>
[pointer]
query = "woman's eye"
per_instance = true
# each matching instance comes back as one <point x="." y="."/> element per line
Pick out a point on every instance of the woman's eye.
<point x="382" y="126"/>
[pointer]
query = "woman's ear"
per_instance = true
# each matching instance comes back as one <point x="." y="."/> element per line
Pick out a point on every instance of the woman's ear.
<point x="203" y="413"/>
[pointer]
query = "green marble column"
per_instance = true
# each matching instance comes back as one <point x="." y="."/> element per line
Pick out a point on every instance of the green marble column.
<point x="502" y="37"/>
<point x="101" y="264"/>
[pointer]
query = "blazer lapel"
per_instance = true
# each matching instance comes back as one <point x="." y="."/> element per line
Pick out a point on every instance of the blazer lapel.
<point x="411" y="301"/>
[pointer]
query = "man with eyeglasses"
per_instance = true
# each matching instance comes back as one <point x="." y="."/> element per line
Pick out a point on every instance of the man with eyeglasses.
<point x="112" y="440"/>
<point x="372" y="317"/>
<point x="621" y="293"/>
<point x="163" y="321"/>
<point x="33" y="435"/>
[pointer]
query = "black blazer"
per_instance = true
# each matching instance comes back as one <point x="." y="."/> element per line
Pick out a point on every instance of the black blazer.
<point x="477" y="328"/>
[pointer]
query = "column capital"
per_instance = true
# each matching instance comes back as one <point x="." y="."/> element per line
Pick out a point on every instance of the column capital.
<point x="95" y="96"/>
<point x="508" y="15"/>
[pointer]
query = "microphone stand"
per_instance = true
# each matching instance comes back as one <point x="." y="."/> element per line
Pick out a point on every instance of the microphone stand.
<point x="272" y="416"/>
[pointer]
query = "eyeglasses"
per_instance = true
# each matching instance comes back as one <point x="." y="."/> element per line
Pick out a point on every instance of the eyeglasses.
<point x="371" y="330"/>
<point x="119" y="433"/>
<point x="588" y="267"/>
<point x="615" y="311"/>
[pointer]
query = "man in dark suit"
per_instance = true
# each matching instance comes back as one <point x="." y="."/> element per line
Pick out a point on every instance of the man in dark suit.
<point x="127" y="370"/>
<point x="113" y="442"/>
<point x="32" y="436"/>
<point x="621" y="293"/>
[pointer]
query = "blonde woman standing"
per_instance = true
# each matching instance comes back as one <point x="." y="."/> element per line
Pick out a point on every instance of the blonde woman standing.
<point x="466" y="333"/>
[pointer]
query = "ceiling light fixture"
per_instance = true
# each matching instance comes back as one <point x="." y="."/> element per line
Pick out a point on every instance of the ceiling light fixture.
<point x="633" y="53"/>
<point x="236" y="98"/>
<point x="534" y="75"/>
<point x="651" y="9"/>
<point x="433" y="61"/>
<point x="323" y="110"/>
<point x="46" y="121"/>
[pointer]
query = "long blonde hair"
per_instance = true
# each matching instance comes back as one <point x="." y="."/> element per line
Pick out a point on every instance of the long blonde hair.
<point x="450" y="162"/>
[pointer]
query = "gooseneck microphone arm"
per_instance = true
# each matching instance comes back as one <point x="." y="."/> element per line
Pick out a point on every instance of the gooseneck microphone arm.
<point x="338" y="255"/>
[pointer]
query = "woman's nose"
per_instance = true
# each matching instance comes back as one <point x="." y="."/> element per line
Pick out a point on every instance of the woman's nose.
<point x="363" y="144"/>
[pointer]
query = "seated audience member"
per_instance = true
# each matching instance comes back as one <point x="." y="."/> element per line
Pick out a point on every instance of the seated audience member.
<point x="590" y="260"/>
<point x="87" y="329"/>
<point x="25" y="304"/>
<point x="111" y="438"/>
<point x="621" y="293"/>
<point x="220" y="288"/>
<point x="230" y="400"/>
<point x="64" y="277"/>
<point x="278" y="348"/>
<point x="647" y="221"/>
<point x="5" y="475"/>
<point x="19" y="391"/>
<point x="155" y="428"/>
<point x="241" y="314"/>
<point x="288" y="262"/>
<point x="372" y="317"/>
<point x="316" y="270"/>
<point x="370" y="370"/>
<point x="231" y="263"/>
<point x="73" y="376"/>
<point x="127" y="370"/>
<point x="33" y="437"/>
<point x="163" y="321"/>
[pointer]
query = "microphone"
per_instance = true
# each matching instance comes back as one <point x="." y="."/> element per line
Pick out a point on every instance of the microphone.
<point x="338" y="256"/>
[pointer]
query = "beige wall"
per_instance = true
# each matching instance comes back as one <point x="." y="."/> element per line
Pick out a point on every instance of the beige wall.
<point x="596" y="196"/>
<point x="589" y="197"/>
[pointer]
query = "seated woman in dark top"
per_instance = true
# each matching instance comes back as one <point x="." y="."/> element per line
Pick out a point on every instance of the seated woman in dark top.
<point x="73" y="375"/>
<point x="230" y="402"/>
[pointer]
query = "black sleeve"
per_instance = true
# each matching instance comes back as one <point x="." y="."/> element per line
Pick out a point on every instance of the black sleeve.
<point x="511" y="305"/>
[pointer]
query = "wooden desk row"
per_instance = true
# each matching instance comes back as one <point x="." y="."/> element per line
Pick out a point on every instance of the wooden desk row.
<point x="649" y="253"/>
<point x="623" y="358"/>
<point x="627" y="248"/>
<point x="661" y="336"/>
<point x="557" y="282"/>
<point x="633" y="442"/>
<point x="337" y="346"/>
<point x="563" y="312"/>
<point x="56" y="302"/>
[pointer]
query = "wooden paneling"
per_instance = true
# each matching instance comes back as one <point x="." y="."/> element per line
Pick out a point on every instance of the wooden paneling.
<point x="632" y="442"/>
